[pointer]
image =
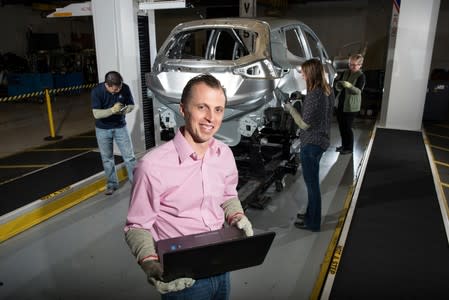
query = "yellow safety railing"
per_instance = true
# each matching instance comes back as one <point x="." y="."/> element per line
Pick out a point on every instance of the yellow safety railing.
<point x="46" y="93"/>
<point x="53" y="135"/>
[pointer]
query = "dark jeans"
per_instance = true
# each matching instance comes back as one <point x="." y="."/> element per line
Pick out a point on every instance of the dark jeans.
<point x="310" y="162"/>
<point x="345" y="121"/>
<point x="211" y="288"/>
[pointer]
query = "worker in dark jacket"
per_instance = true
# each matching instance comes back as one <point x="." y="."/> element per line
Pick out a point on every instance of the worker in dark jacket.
<point x="111" y="101"/>
<point x="315" y="124"/>
<point x="349" y="97"/>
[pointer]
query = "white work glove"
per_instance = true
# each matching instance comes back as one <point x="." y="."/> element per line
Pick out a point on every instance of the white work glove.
<point x="288" y="106"/>
<point x="116" y="108"/>
<point x="296" y="116"/>
<point x="244" y="224"/>
<point x="346" y="84"/>
<point x="128" y="109"/>
<point x="141" y="243"/>
<point x="153" y="270"/>
<point x="235" y="217"/>
<point x="172" y="286"/>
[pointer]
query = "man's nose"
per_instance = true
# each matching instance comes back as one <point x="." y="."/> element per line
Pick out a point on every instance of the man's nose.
<point x="210" y="115"/>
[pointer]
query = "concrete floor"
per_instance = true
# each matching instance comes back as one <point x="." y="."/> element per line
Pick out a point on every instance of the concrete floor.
<point x="81" y="253"/>
<point x="25" y="125"/>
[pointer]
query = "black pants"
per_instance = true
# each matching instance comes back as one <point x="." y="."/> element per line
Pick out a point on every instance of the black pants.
<point x="345" y="121"/>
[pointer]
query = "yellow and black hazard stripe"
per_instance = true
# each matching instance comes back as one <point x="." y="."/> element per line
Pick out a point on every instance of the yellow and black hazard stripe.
<point x="50" y="91"/>
<point x="21" y="97"/>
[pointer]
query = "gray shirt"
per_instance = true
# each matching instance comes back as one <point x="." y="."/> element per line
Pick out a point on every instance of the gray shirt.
<point x="317" y="112"/>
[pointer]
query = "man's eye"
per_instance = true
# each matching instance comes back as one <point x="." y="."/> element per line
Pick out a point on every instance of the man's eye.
<point x="219" y="109"/>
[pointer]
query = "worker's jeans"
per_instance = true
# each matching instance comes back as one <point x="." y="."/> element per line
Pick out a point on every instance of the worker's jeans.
<point x="310" y="162"/>
<point x="105" y="139"/>
<point x="211" y="288"/>
<point x="345" y="120"/>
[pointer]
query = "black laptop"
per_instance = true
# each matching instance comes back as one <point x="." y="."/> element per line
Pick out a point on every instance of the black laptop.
<point x="211" y="253"/>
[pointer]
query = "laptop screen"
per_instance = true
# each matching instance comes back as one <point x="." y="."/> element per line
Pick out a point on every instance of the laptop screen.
<point x="212" y="253"/>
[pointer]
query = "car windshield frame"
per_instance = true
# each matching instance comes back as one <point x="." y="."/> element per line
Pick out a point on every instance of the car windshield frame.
<point x="212" y="43"/>
<point x="255" y="30"/>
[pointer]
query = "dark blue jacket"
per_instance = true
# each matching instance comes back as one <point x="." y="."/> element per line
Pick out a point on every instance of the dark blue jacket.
<point x="102" y="99"/>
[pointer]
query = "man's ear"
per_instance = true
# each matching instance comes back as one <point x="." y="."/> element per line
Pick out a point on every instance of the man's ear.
<point x="182" y="109"/>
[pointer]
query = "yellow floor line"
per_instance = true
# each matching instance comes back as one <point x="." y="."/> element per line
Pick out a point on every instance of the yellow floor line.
<point x="331" y="253"/>
<point x="44" y="212"/>
<point x="438" y="183"/>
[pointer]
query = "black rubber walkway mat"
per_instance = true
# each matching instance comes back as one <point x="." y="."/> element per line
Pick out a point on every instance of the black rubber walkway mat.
<point x="396" y="247"/>
<point x="440" y="155"/>
<point x="443" y="172"/>
<point x="27" y="189"/>
<point x="446" y="192"/>
<point x="22" y="163"/>
<point x="38" y="157"/>
<point x="437" y="128"/>
<point x="73" y="142"/>
<point x="438" y="141"/>
<point x="8" y="174"/>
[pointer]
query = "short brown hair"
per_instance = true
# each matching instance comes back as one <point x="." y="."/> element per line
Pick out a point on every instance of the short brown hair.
<point x="208" y="79"/>
<point x="357" y="57"/>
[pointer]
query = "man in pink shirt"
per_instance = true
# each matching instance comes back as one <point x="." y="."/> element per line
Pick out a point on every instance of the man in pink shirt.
<point x="185" y="186"/>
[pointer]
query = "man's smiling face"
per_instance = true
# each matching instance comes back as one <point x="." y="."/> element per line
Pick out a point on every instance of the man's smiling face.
<point x="203" y="113"/>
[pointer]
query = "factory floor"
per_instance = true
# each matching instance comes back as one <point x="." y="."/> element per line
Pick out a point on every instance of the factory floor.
<point x="80" y="253"/>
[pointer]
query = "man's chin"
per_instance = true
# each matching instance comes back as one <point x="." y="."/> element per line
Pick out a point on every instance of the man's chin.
<point x="204" y="138"/>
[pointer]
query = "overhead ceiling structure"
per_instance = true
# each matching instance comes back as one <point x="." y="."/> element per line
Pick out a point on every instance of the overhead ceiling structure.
<point x="85" y="9"/>
<point x="62" y="6"/>
<point x="42" y="5"/>
<point x="55" y="6"/>
<point x="73" y="10"/>
<point x="164" y="4"/>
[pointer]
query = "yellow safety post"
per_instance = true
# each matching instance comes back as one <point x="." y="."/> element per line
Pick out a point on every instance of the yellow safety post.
<point x="53" y="135"/>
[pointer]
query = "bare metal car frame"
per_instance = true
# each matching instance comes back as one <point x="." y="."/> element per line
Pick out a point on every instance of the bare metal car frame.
<point x="260" y="66"/>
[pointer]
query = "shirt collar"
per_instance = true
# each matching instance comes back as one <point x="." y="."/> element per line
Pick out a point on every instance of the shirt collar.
<point x="185" y="150"/>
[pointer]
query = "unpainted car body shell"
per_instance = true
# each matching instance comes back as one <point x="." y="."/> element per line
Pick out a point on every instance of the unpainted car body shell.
<point x="260" y="78"/>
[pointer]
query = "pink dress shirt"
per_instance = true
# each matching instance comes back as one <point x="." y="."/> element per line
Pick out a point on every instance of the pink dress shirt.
<point x="175" y="193"/>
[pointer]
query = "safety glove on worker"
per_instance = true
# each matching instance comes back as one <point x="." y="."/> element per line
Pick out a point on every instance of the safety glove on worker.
<point x="128" y="109"/>
<point x="346" y="84"/>
<point x="116" y="108"/>
<point x="287" y="106"/>
<point x="153" y="270"/>
<point x="235" y="217"/>
<point x="296" y="116"/>
<point x="141" y="243"/>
